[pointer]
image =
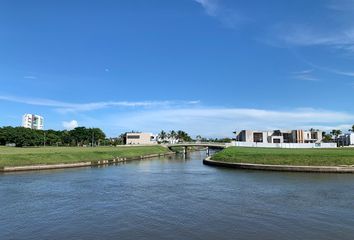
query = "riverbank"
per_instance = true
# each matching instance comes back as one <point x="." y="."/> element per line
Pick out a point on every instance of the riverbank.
<point x="282" y="168"/>
<point x="304" y="160"/>
<point x="21" y="159"/>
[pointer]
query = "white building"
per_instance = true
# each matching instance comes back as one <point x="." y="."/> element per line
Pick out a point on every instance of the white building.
<point x="170" y="140"/>
<point x="278" y="136"/>
<point x="346" y="139"/>
<point x="281" y="139"/>
<point x="133" y="138"/>
<point x="32" y="121"/>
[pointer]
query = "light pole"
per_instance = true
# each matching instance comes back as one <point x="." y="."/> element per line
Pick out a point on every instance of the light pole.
<point x="43" y="138"/>
<point x="93" y="137"/>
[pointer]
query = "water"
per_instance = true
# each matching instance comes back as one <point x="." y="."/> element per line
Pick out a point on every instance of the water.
<point x="175" y="198"/>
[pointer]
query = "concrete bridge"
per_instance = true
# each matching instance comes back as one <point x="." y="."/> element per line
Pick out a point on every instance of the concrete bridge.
<point x="206" y="145"/>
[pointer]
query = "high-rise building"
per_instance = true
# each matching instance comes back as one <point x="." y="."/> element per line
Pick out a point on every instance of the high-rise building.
<point x="32" y="121"/>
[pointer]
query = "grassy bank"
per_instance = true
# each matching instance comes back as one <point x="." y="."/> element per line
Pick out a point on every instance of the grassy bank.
<point x="300" y="157"/>
<point x="10" y="156"/>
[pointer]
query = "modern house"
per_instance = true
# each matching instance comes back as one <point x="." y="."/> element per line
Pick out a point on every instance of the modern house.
<point x="346" y="139"/>
<point x="136" y="138"/>
<point x="32" y="121"/>
<point x="278" y="136"/>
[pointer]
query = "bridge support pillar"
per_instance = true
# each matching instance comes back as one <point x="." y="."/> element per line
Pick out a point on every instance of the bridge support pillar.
<point x="207" y="151"/>
<point x="184" y="150"/>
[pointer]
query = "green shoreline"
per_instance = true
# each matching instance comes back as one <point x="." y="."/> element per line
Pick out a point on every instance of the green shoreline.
<point x="21" y="157"/>
<point x="289" y="157"/>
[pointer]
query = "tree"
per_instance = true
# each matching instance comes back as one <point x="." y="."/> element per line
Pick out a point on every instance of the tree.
<point x="172" y="135"/>
<point x="198" y="138"/>
<point x="336" y="133"/>
<point x="183" y="136"/>
<point x="162" y="135"/>
<point x="30" y="137"/>
<point x="352" y="129"/>
<point x="327" y="138"/>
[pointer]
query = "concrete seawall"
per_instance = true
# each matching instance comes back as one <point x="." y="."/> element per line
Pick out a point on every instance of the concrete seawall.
<point x="79" y="164"/>
<point x="284" y="168"/>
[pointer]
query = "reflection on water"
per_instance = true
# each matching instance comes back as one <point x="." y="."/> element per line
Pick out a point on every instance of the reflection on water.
<point x="175" y="197"/>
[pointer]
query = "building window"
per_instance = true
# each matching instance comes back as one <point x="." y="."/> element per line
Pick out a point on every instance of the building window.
<point x="257" y="137"/>
<point x="133" y="136"/>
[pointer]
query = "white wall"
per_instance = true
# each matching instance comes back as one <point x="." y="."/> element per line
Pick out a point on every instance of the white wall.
<point x="285" y="145"/>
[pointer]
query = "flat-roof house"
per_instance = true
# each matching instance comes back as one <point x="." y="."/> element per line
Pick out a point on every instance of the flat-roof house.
<point x="346" y="139"/>
<point x="134" y="138"/>
<point x="278" y="136"/>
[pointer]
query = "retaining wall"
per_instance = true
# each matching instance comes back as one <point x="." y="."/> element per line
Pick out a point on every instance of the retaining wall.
<point x="79" y="164"/>
<point x="284" y="145"/>
<point x="283" y="168"/>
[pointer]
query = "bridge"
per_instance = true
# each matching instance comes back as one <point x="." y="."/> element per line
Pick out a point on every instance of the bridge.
<point x="207" y="145"/>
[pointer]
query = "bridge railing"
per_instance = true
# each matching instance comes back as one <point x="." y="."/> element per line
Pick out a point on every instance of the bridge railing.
<point x="206" y="144"/>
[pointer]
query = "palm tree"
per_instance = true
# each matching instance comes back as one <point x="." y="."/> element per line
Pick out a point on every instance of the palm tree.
<point x="352" y="129"/>
<point x="172" y="135"/>
<point x="199" y="138"/>
<point x="163" y="135"/>
<point x="183" y="136"/>
<point x="336" y="133"/>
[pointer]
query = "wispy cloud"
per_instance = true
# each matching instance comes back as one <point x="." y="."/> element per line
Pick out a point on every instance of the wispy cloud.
<point x="228" y="17"/>
<point x="342" y="5"/>
<point x="305" y="75"/>
<point x="30" y="77"/>
<point x="301" y="35"/>
<point x="65" y="107"/>
<point x="325" y="69"/>
<point x="211" y="7"/>
<point x="212" y="121"/>
<point x="192" y="116"/>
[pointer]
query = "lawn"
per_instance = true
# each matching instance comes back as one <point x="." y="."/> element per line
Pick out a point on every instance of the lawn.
<point x="11" y="156"/>
<point x="280" y="156"/>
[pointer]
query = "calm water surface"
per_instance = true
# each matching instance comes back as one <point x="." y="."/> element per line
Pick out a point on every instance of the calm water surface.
<point x="175" y="198"/>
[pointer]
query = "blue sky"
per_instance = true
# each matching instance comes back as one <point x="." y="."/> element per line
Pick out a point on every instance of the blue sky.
<point x="205" y="66"/>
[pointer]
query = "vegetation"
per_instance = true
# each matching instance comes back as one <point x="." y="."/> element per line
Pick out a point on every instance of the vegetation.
<point x="79" y="136"/>
<point x="277" y="156"/>
<point x="220" y="140"/>
<point x="352" y="129"/>
<point x="180" y="136"/>
<point x="10" y="156"/>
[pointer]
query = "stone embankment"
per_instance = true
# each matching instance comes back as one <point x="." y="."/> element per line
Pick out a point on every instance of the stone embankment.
<point x="79" y="164"/>
<point x="284" y="168"/>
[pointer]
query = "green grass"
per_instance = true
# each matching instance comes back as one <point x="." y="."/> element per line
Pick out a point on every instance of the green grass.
<point x="10" y="156"/>
<point x="277" y="156"/>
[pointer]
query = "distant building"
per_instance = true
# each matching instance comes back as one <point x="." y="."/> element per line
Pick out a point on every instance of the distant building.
<point x="346" y="139"/>
<point x="170" y="140"/>
<point x="278" y="136"/>
<point x="32" y="121"/>
<point x="135" y="138"/>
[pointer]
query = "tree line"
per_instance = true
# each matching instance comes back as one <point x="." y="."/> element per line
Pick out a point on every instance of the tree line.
<point x="333" y="135"/>
<point x="180" y="136"/>
<point x="80" y="136"/>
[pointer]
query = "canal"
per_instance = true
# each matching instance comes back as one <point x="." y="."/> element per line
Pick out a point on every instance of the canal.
<point x="175" y="198"/>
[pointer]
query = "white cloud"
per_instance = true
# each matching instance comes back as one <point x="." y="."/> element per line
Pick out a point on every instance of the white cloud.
<point x="70" y="125"/>
<point x="65" y="107"/>
<point x="211" y="6"/>
<point x="305" y="75"/>
<point x="219" y="122"/>
<point x="326" y="69"/>
<point x="301" y="35"/>
<point x="342" y="5"/>
<point x="30" y="77"/>
<point x="227" y="16"/>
